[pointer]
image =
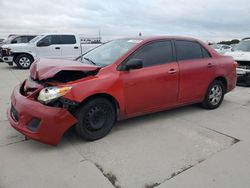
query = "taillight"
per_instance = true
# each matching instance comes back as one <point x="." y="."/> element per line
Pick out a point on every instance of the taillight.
<point x="235" y="64"/>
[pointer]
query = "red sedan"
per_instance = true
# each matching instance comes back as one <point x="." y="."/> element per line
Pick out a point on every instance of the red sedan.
<point x="118" y="80"/>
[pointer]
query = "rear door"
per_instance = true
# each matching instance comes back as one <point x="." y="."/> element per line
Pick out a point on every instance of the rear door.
<point x="196" y="70"/>
<point x="155" y="85"/>
<point x="70" y="48"/>
<point x="52" y="48"/>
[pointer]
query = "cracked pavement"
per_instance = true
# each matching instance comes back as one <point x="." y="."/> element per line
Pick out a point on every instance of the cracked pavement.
<point x="184" y="147"/>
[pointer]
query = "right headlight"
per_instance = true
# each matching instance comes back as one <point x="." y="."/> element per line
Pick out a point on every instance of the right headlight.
<point x="49" y="94"/>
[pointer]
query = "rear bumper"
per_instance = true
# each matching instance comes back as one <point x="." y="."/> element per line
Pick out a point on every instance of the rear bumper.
<point x="53" y="122"/>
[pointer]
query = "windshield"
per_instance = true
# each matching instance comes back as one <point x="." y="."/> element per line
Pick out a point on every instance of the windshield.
<point x="107" y="53"/>
<point x="36" y="39"/>
<point x="244" y="45"/>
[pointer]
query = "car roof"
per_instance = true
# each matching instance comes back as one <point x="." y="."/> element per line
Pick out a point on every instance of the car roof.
<point x="58" y="34"/>
<point x="152" y="38"/>
<point x="15" y="36"/>
<point x="247" y="38"/>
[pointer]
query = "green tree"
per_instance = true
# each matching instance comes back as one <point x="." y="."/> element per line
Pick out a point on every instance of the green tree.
<point x="234" y="41"/>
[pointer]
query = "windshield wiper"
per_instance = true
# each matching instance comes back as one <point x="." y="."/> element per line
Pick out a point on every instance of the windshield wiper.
<point x="89" y="60"/>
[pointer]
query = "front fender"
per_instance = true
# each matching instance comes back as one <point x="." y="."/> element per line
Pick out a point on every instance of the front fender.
<point x="108" y="85"/>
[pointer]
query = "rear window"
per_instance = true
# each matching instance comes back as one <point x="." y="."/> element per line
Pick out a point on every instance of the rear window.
<point x="68" y="39"/>
<point x="205" y="53"/>
<point x="187" y="50"/>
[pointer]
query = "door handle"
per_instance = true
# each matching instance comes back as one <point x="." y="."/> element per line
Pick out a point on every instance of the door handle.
<point x="76" y="47"/>
<point x="210" y="65"/>
<point x="57" y="48"/>
<point x="172" y="71"/>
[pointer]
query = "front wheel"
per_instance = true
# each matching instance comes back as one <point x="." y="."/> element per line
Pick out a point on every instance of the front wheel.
<point x="214" y="96"/>
<point x="23" y="61"/>
<point x="95" y="119"/>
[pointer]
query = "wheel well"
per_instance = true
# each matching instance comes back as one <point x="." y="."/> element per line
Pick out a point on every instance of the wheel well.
<point x="223" y="80"/>
<point x="106" y="96"/>
<point x="17" y="54"/>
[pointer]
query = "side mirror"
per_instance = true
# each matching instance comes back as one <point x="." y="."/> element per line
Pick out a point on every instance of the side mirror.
<point x="134" y="64"/>
<point x="13" y="42"/>
<point x="43" y="43"/>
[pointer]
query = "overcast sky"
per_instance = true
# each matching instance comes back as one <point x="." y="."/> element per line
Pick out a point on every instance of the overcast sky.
<point x="208" y="20"/>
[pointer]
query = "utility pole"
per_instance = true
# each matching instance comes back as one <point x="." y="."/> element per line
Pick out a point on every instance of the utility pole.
<point x="100" y="38"/>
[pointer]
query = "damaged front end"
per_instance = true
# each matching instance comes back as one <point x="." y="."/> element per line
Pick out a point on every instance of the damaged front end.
<point x="56" y="80"/>
<point x="42" y="107"/>
<point x="47" y="94"/>
<point x="243" y="73"/>
<point x="51" y="91"/>
<point x="65" y="76"/>
<point x="35" y="120"/>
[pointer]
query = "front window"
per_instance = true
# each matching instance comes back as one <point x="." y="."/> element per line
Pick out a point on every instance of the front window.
<point x="244" y="45"/>
<point x="108" y="53"/>
<point x="155" y="53"/>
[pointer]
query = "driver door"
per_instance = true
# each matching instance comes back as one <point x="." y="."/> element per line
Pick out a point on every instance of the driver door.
<point x="49" y="47"/>
<point x="155" y="86"/>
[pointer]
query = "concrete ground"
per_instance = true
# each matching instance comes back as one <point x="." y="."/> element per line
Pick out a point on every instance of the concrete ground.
<point x="185" y="147"/>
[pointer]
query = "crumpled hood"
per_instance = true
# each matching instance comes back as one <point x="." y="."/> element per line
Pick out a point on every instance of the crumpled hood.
<point x="46" y="68"/>
<point x="239" y="55"/>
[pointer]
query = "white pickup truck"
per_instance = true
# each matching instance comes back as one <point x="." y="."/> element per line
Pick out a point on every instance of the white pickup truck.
<point x="56" y="46"/>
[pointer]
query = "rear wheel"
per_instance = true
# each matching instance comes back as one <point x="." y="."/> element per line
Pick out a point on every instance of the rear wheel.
<point x="23" y="61"/>
<point x="214" y="96"/>
<point x="95" y="119"/>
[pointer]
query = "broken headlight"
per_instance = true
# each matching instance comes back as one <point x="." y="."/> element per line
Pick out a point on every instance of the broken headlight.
<point x="49" y="94"/>
<point x="6" y="51"/>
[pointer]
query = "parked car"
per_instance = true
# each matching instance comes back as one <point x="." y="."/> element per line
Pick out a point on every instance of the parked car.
<point x="1" y="41"/>
<point x="241" y="54"/>
<point x="222" y="48"/>
<point x="14" y="39"/>
<point x="115" y="81"/>
<point x="59" y="46"/>
<point x="234" y="46"/>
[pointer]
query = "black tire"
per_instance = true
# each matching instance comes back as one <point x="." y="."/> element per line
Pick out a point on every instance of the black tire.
<point x="214" y="96"/>
<point x="95" y="119"/>
<point x="24" y="61"/>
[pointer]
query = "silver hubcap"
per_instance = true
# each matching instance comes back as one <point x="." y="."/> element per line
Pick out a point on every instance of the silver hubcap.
<point x="24" y="62"/>
<point x="215" y="95"/>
